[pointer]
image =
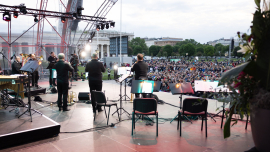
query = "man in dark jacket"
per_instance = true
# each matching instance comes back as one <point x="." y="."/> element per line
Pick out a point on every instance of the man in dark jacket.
<point x="94" y="69"/>
<point x="140" y="68"/>
<point x="52" y="59"/>
<point x="16" y="66"/>
<point x="62" y="69"/>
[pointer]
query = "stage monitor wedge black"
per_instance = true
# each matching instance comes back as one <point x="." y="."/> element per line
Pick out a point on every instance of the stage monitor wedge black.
<point x="83" y="96"/>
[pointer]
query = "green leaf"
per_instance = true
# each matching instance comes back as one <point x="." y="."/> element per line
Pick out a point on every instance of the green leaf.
<point x="227" y="126"/>
<point x="257" y="2"/>
<point x="226" y="76"/>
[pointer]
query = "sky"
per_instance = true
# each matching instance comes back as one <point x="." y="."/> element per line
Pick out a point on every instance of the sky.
<point x="202" y="20"/>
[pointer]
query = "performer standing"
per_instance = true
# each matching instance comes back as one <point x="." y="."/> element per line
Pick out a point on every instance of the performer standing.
<point x="140" y="68"/>
<point x="74" y="61"/>
<point x="35" y="75"/>
<point x="16" y="66"/>
<point x="62" y="69"/>
<point x="94" y="69"/>
<point x="52" y="59"/>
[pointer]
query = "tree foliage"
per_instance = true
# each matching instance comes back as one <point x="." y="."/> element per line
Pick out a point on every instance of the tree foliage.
<point x="153" y="50"/>
<point x="168" y="49"/>
<point x="209" y="50"/>
<point x="138" y="42"/>
<point x="137" y="49"/>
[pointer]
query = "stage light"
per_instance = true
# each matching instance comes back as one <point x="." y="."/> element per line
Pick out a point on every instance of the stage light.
<point x="6" y="16"/>
<point x="112" y="24"/>
<point x="63" y="20"/>
<point x="35" y="20"/>
<point x="79" y="10"/>
<point x="74" y="16"/>
<point x="15" y="15"/>
<point x="107" y="25"/>
<point x="87" y="47"/>
<point x="89" y="40"/>
<point x="23" y="8"/>
<point x="102" y="26"/>
<point x="83" y="54"/>
<point x="177" y="85"/>
<point x="97" y="27"/>
<point x="115" y="67"/>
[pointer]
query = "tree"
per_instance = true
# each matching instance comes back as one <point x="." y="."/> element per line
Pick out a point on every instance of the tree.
<point x="199" y="54"/>
<point x="168" y="49"/>
<point x="235" y="52"/>
<point x="181" y="50"/>
<point x="200" y="49"/>
<point x="209" y="50"/>
<point x="190" y="49"/>
<point x="137" y="49"/>
<point x="225" y="48"/>
<point x="139" y="42"/>
<point x="130" y="51"/>
<point x="153" y="50"/>
<point x="192" y="41"/>
<point x="176" y="48"/>
<point x="160" y="53"/>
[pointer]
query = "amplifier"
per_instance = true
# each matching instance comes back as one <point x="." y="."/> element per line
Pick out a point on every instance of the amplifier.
<point x="83" y="96"/>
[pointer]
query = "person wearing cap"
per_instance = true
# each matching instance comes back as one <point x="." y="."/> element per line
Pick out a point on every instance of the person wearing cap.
<point x="94" y="69"/>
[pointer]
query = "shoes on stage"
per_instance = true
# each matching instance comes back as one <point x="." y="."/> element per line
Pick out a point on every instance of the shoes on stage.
<point x="100" y="110"/>
<point x="60" y="108"/>
<point x="66" y="109"/>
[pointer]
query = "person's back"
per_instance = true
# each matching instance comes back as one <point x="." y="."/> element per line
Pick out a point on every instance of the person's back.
<point x="62" y="69"/>
<point x="140" y="69"/>
<point x="94" y="69"/>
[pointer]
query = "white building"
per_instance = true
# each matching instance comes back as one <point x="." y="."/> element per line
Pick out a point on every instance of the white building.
<point x="224" y="42"/>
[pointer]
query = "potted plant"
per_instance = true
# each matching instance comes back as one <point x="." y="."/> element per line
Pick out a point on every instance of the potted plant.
<point x="250" y="81"/>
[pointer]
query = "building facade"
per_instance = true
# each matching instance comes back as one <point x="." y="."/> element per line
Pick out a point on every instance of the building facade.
<point x="162" y="41"/>
<point x="224" y="42"/>
<point x="115" y="46"/>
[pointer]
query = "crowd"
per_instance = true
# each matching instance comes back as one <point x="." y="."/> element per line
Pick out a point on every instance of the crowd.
<point x="186" y="71"/>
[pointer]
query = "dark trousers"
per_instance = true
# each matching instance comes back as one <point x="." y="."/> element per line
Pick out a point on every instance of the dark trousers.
<point x="62" y="89"/>
<point x="109" y="77"/>
<point x="95" y="85"/>
<point x="35" y="78"/>
<point x="51" y="80"/>
<point x="137" y="95"/>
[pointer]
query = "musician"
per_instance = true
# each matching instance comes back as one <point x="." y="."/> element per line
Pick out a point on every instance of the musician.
<point x="95" y="69"/>
<point x="62" y="69"/>
<point x="16" y="66"/>
<point x="35" y="75"/>
<point x="74" y="61"/>
<point x="52" y="59"/>
<point x="140" y="68"/>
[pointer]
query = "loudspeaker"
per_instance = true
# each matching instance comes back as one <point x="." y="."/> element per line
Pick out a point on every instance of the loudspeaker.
<point x="83" y="96"/>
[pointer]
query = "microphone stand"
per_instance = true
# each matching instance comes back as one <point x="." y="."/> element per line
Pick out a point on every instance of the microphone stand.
<point x="4" y="57"/>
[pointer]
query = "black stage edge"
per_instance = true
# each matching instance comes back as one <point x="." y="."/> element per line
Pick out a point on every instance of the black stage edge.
<point x="16" y="131"/>
<point x="34" y="91"/>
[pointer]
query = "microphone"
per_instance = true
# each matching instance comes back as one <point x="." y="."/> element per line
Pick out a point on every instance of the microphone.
<point x="12" y="56"/>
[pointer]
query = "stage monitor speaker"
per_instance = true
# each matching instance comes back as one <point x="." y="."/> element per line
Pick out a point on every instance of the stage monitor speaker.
<point x="83" y="96"/>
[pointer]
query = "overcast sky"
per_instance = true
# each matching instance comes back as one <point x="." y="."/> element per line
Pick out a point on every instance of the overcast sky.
<point x="202" y="20"/>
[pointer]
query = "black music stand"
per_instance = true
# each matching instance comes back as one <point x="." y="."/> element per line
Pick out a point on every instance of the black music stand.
<point x="30" y="67"/>
<point x="122" y="71"/>
<point x="157" y="85"/>
<point x="181" y="88"/>
<point x="121" y="79"/>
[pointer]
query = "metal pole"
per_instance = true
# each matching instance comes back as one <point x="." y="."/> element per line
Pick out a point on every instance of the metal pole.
<point x="121" y="33"/>
<point x="230" y="50"/>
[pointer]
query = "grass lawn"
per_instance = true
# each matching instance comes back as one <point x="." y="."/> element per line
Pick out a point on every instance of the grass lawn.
<point x="105" y="74"/>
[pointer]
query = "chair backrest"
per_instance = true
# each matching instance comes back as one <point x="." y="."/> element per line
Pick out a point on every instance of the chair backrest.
<point x="99" y="97"/>
<point x="195" y="105"/>
<point x="145" y="105"/>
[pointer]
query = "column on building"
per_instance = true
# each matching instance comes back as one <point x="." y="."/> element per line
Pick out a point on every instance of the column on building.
<point x="108" y="52"/>
<point x="102" y="51"/>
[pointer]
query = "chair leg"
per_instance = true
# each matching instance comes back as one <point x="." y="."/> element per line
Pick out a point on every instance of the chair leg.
<point x="157" y="124"/>
<point x="117" y="112"/>
<point x="247" y="122"/>
<point x="105" y="111"/>
<point x="178" y="120"/>
<point x="222" y="119"/>
<point x="180" y="124"/>
<point x="132" y="123"/>
<point x="202" y="124"/>
<point x="108" y="115"/>
<point x="205" y="125"/>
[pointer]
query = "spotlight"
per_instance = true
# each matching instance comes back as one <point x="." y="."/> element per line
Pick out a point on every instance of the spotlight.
<point x="35" y="20"/>
<point x="15" y="15"/>
<point x="87" y="47"/>
<point x="83" y="54"/>
<point x="112" y="24"/>
<point x="98" y="27"/>
<point x="23" y="8"/>
<point x="79" y="10"/>
<point x="115" y="67"/>
<point x="102" y="26"/>
<point x="107" y="25"/>
<point x="6" y="16"/>
<point x="89" y="40"/>
<point x="63" y="19"/>
<point x="74" y="16"/>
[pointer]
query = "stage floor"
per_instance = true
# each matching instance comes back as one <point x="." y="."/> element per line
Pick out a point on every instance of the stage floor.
<point x="119" y="138"/>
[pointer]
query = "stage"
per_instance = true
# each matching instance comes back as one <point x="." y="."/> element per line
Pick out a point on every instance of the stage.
<point x="118" y="138"/>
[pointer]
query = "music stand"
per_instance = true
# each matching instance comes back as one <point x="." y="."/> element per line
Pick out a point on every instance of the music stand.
<point x="30" y="67"/>
<point x="122" y="71"/>
<point x="180" y="88"/>
<point x="121" y="79"/>
<point x="142" y="86"/>
<point x="157" y="85"/>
